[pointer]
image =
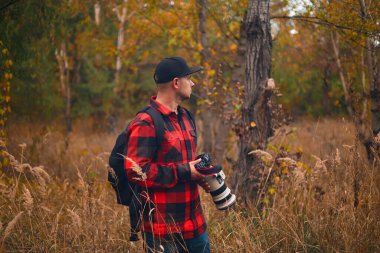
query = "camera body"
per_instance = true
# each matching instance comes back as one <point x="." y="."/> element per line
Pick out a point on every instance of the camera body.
<point x="215" y="177"/>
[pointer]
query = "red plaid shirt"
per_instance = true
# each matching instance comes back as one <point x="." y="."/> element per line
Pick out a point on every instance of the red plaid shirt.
<point x="170" y="200"/>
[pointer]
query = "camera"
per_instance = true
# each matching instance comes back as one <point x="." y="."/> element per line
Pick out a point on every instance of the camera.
<point x="214" y="175"/>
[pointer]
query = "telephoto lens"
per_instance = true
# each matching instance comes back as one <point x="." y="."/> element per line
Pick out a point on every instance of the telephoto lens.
<point x="221" y="194"/>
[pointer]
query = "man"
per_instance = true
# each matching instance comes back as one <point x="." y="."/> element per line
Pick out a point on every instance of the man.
<point x="172" y="218"/>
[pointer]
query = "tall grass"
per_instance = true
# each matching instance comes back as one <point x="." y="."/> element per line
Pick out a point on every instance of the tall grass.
<point x="59" y="201"/>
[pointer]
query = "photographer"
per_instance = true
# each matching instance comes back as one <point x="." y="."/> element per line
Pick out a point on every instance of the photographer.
<point x="172" y="215"/>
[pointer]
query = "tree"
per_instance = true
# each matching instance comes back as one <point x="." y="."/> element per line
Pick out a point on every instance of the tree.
<point x="206" y="114"/>
<point x="256" y="126"/>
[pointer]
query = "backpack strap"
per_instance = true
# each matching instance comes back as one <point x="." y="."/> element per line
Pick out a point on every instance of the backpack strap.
<point x="191" y="119"/>
<point x="159" y="126"/>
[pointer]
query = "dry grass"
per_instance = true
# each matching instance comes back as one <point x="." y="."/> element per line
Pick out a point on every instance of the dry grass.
<point x="67" y="205"/>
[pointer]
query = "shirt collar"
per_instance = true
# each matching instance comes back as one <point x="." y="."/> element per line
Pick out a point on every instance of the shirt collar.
<point x="163" y="109"/>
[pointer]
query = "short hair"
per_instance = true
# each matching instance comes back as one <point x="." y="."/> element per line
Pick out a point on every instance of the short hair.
<point x="163" y="86"/>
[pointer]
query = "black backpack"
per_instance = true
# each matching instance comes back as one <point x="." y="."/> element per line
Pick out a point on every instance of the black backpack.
<point x="126" y="191"/>
<point x="119" y="181"/>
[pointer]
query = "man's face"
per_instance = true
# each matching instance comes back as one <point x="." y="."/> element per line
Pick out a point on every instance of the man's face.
<point x="184" y="87"/>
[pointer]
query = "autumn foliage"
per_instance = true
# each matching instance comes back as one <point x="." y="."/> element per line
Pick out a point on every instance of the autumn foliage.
<point x="73" y="72"/>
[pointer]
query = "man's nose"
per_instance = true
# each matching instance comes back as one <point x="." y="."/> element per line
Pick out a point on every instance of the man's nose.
<point x="192" y="83"/>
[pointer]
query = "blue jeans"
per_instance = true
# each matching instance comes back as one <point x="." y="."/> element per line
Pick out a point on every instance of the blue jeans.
<point x="199" y="244"/>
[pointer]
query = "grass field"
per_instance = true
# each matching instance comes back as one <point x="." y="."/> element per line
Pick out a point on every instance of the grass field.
<point x="57" y="200"/>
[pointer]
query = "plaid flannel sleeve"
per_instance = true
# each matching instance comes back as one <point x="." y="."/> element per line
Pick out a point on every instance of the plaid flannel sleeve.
<point x="141" y="148"/>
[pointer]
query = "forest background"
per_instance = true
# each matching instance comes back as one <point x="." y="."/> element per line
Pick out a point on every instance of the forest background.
<point x="74" y="72"/>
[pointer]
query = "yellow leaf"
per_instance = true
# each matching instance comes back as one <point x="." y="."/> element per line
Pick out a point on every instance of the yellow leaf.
<point x="84" y="152"/>
<point x="271" y="190"/>
<point x="253" y="124"/>
<point x="276" y="179"/>
<point x="8" y="76"/>
<point x="265" y="201"/>
<point x="211" y="72"/>
<point x="8" y="63"/>
<point x="233" y="47"/>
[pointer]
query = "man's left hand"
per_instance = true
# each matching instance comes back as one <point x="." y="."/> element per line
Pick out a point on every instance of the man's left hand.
<point x="203" y="183"/>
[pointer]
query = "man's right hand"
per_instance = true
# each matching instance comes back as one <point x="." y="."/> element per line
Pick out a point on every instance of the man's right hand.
<point x="195" y="175"/>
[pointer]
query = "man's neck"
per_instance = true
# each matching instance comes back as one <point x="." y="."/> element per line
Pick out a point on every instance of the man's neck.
<point x="168" y="102"/>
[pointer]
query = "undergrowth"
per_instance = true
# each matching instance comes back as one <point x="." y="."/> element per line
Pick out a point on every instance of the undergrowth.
<point x="326" y="201"/>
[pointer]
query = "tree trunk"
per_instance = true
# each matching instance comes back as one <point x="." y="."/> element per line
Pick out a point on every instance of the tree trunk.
<point x="120" y="42"/>
<point x="97" y="13"/>
<point x="326" y="89"/>
<point x="64" y="76"/>
<point x="373" y="63"/>
<point x="345" y="84"/>
<point x="97" y="9"/>
<point x="118" y="90"/>
<point x="206" y="112"/>
<point x="256" y="126"/>
<point x="375" y="102"/>
<point x="364" y="85"/>
<point x="68" y="113"/>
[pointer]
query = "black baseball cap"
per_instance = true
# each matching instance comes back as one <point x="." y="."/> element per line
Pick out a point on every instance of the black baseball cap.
<point x="172" y="67"/>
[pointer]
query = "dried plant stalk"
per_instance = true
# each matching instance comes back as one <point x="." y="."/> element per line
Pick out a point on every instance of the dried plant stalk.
<point x="264" y="155"/>
<point x="136" y="168"/>
<point x="11" y="225"/>
<point x="27" y="199"/>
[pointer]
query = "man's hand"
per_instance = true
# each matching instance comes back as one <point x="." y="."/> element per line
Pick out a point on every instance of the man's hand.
<point x="196" y="176"/>
<point x="203" y="183"/>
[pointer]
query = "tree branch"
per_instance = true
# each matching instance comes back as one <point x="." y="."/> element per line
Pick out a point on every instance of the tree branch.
<point x="319" y="21"/>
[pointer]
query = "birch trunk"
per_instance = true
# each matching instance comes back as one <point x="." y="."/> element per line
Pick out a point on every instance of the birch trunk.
<point x="97" y="13"/>
<point x="122" y="17"/>
<point x="345" y="84"/>
<point x="97" y="10"/>
<point x="117" y="91"/>
<point x="64" y="77"/>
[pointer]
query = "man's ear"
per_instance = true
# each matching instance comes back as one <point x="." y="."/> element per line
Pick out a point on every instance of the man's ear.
<point x="175" y="83"/>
